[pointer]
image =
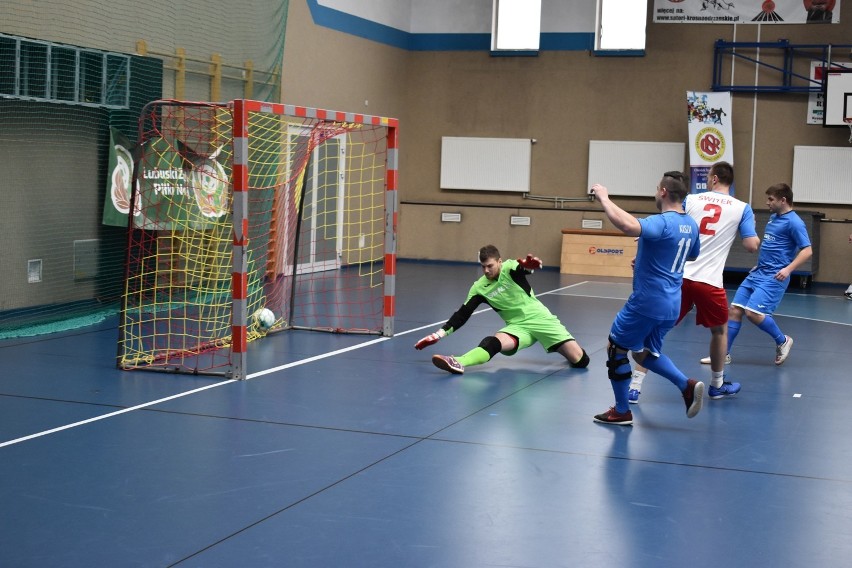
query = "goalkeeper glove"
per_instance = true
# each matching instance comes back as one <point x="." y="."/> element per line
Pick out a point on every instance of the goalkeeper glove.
<point x="430" y="339"/>
<point x="530" y="262"/>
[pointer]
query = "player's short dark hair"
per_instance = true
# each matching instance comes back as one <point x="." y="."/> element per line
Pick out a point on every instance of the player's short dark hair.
<point x="675" y="186"/>
<point x="780" y="190"/>
<point x="724" y="171"/>
<point x="488" y="251"/>
<point x="678" y="176"/>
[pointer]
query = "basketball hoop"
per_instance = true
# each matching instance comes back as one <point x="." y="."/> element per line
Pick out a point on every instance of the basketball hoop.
<point x="848" y="122"/>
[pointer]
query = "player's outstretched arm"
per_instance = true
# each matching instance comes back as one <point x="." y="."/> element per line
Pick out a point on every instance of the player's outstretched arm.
<point x="457" y="320"/>
<point x="430" y="339"/>
<point x="623" y="221"/>
<point x="530" y="263"/>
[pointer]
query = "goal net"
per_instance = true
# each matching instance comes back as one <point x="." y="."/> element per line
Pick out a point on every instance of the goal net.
<point x="250" y="206"/>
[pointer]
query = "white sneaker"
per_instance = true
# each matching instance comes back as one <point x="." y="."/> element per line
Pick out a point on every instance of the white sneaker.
<point x="706" y="360"/>
<point x="783" y="351"/>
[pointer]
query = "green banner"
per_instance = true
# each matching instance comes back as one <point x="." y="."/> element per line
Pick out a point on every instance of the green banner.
<point x="120" y="173"/>
<point x="180" y="189"/>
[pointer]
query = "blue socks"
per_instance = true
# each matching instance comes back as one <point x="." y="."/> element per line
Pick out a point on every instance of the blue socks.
<point x="664" y="367"/>
<point x="619" y="389"/>
<point x="769" y="326"/>
<point x="733" y="330"/>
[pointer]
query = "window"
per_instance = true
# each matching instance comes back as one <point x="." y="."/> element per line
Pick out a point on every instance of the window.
<point x="516" y="26"/>
<point x="90" y="82"/>
<point x="63" y="73"/>
<point x="45" y="71"/>
<point x="620" y="26"/>
<point x="33" y="70"/>
<point x="8" y="65"/>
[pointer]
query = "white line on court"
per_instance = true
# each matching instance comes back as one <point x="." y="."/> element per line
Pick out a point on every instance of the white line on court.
<point x="215" y="385"/>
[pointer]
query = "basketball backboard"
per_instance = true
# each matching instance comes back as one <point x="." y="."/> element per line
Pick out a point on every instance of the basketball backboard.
<point x="838" y="97"/>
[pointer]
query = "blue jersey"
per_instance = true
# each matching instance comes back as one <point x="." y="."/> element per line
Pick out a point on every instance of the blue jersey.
<point x="667" y="241"/>
<point x="784" y="237"/>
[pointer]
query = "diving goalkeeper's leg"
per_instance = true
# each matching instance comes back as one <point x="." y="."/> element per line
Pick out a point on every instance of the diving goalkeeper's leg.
<point x="487" y="348"/>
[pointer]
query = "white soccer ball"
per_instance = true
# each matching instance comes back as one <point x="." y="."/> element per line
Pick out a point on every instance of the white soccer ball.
<point x="264" y="318"/>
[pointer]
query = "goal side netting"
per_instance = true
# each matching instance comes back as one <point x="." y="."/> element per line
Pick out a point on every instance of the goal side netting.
<point x="249" y="206"/>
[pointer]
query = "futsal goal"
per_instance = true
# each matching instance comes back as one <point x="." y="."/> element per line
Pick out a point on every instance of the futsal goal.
<point x="249" y="206"/>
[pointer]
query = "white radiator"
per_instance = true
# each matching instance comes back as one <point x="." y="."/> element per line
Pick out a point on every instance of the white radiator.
<point x="488" y="164"/>
<point x="822" y="174"/>
<point x="633" y="168"/>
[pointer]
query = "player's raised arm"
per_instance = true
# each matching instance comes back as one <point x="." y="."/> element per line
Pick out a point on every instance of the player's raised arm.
<point x="624" y="221"/>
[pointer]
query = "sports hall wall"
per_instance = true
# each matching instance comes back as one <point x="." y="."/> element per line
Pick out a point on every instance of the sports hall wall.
<point x="53" y="153"/>
<point x="563" y="99"/>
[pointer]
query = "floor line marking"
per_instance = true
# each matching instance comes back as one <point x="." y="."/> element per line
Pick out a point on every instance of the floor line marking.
<point x="262" y="373"/>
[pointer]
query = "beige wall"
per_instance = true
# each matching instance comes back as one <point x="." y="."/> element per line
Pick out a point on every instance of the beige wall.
<point x="563" y="99"/>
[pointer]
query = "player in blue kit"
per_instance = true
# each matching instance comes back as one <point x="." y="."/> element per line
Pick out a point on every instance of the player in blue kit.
<point x="720" y="216"/>
<point x="665" y="242"/>
<point x="785" y="247"/>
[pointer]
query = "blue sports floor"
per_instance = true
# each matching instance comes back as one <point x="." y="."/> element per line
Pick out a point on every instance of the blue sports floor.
<point x="355" y="451"/>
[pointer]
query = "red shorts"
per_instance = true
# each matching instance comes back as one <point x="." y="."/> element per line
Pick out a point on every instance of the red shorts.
<point x="711" y="303"/>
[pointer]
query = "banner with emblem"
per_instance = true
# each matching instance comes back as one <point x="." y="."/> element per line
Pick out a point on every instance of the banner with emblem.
<point x="177" y="187"/>
<point x="120" y="172"/>
<point x="709" y="127"/>
<point x="747" y="12"/>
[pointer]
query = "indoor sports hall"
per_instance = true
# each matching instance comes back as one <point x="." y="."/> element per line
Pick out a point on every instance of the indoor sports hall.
<point x="345" y="450"/>
<point x="229" y="224"/>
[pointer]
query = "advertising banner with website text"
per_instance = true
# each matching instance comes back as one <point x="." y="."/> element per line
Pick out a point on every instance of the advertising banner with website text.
<point x="747" y="11"/>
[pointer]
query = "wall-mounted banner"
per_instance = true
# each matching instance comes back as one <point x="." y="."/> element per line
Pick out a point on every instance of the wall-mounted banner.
<point x="120" y="172"/>
<point x="176" y="187"/>
<point x="709" y="116"/>
<point x="747" y="11"/>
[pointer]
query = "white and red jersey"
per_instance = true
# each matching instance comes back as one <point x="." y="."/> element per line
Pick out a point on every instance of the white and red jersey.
<point x="719" y="216"/>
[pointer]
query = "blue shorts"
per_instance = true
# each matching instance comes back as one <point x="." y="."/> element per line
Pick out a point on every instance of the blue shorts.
<point x="631" y="330"/>
<point x="760" y="293"/>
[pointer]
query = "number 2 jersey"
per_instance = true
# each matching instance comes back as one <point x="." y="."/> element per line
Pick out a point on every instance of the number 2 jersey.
<point x="667" y="241"/>
<point x="719" y="217"/>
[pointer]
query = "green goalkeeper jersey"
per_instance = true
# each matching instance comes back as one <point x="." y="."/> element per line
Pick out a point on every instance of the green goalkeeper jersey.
<point x="511" y="296"/>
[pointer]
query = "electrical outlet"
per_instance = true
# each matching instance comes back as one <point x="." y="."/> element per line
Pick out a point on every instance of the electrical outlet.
<point x="34" y="271"/>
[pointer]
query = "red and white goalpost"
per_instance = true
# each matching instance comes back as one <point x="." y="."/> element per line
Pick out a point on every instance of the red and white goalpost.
<point x="254" y="206"/>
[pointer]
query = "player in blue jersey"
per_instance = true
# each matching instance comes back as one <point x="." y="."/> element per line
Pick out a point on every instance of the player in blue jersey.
<point x="785" y="247"/>
<point x="720" y="217"/>
<point x="665" y="242"/>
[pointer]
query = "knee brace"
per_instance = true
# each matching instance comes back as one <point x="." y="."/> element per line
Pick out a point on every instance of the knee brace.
<point x="617" y="364"/>
<point x="491" y="345"/>
<point x="582" y="363"/>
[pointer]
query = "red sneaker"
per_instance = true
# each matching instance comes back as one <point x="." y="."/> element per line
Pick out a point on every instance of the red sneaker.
<point x="693" y="396"/>
<point x="612" y="416"/>
<point x="448" y="363"/>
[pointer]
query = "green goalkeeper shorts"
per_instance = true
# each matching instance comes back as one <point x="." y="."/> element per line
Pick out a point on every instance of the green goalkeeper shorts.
<point x="547" y="330"/>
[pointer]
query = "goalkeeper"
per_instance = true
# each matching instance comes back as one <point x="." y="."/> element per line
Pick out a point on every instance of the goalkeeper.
<point x="504" y="287"/>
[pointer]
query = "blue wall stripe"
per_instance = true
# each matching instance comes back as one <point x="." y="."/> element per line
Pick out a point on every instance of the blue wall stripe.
<point x="367" y="29"/>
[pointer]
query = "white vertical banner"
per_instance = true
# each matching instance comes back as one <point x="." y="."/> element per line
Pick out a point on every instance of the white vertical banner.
<point x="710" y="139"/>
